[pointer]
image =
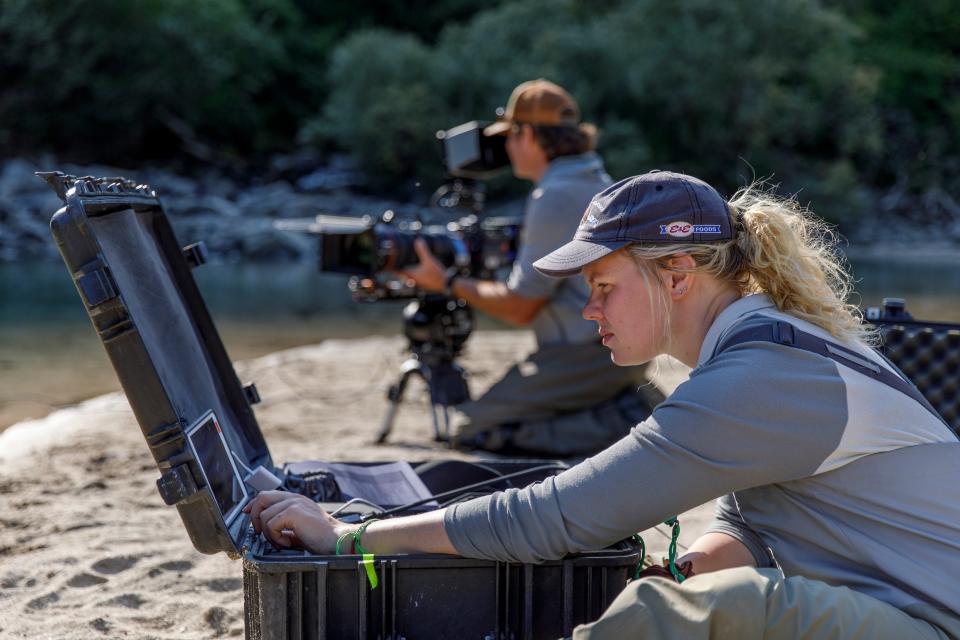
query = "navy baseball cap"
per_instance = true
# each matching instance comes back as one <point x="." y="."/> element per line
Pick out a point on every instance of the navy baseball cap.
<point x="660" y="207"/>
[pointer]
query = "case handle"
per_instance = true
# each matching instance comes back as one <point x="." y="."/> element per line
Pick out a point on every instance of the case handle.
<point x="251" y="393"/>
<point x="96" y="287"/>
<point x="176" y="484"/>
<point x="196" y="254"/>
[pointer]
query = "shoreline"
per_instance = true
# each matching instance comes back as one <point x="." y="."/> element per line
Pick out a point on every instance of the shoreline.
<point x="51" y="358"/>
<point x="906" y="253"/>
<point x="26" y="436"/>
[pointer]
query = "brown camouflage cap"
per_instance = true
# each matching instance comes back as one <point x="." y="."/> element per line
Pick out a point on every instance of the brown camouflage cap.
<point x="537" y="102"/>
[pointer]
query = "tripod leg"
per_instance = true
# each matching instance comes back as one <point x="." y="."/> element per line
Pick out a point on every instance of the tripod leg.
<point x="434" y="410"/>
<point x="448" y="387"/>
<point x="445" y="437"/>
<point x="386" y="425"/>
<point x="394" y="396"/>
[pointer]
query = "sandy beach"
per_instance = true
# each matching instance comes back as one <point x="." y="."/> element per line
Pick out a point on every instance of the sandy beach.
<point x="89" y="550"/>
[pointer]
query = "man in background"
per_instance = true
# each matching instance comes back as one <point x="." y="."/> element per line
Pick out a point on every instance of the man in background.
<point x="566" y="398"/>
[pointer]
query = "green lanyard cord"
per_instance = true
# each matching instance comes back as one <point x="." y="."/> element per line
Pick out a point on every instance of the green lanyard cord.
<point x="673" y="522"/>
<point x="672" y="552"/>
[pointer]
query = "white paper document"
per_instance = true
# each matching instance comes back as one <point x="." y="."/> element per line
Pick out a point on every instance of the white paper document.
<point x="387" y="485"/>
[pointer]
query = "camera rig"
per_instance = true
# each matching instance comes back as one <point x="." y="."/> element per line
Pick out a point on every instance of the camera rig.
<point x="373" y="250"/>
<point x="436" y="326"/>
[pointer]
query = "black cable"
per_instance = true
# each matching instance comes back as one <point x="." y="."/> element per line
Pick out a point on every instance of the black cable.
<point x="475" y="485"/>
<point x="470" y="495"/>
<point x="478" y="465"/>
<point x="472" y="463"/>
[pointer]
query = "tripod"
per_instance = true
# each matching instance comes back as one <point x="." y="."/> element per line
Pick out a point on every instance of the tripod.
<point x="437" y="327"/>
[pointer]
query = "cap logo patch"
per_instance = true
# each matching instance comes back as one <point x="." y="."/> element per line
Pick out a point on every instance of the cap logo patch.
<point x="684" y="229"/>
<point x="676" y="229"/>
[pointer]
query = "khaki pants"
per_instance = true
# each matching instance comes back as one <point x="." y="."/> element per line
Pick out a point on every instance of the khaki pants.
<point x="747" y="603"/>
<point x="561" y="400"/>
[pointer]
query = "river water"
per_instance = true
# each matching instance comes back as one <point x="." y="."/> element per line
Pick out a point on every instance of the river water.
<point x="50" y="356"/>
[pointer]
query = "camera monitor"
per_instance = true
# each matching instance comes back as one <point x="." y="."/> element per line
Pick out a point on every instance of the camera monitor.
<point x="470" y="154"/>
<point x="216" y="463"/>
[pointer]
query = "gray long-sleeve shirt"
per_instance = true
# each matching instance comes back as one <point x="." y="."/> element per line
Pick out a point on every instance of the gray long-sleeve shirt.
<point x="552" y="213"/>
<point x="820" y="470"/>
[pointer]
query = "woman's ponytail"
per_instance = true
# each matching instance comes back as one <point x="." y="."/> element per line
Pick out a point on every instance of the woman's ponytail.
<point x="780" y="249"/>
<point x="791" y="255"/>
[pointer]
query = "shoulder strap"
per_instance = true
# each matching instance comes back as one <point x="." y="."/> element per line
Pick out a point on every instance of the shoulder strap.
<point x="786" y="334"/>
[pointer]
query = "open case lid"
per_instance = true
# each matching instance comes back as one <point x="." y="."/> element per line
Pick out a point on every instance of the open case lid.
<point x="137" y="286"/>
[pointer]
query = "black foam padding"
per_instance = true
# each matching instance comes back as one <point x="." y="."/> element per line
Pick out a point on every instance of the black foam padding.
<point x="929" y="354"/>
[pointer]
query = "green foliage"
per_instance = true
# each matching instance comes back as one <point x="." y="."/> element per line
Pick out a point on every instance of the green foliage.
<point x="716" y="89"/>
<point x="422" y="18"/>
<point x="915" y="47"/>
<point x="384" y="108"/>
<point x="116" y="77"/>
<point x="737" y="90"/>
<point x="821" y="96"/>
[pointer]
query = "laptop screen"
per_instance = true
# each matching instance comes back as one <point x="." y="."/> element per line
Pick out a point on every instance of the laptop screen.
<point x="211" y="452"/>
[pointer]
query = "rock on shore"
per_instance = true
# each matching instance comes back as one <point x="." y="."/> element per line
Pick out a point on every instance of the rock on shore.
<point x="234" y="218"/>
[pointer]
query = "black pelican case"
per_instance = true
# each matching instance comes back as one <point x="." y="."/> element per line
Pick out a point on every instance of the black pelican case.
<point x="136" y="284"/>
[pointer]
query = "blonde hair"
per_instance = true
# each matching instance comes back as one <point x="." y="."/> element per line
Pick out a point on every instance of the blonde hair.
<point x="781" y="249"/>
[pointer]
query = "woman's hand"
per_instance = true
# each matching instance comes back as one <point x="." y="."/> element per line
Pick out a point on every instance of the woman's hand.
<point x="290" y="519"/>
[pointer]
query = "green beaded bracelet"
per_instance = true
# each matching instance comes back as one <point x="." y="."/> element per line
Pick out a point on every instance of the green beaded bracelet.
<point x="340" y="540"/>
<point x="356" y="547"/>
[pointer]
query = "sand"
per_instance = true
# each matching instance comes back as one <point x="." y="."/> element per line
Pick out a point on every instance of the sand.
<point x="89" y="550"/>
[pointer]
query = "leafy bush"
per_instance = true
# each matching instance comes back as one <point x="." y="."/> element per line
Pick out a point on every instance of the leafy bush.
<point x="822" y="96"/>
<point x="914" y="45"/>
<point x="729" y="90"/>
<point x="710" y="88"/>
<point x="128" y="78"/>
<point x="383" y="107"/>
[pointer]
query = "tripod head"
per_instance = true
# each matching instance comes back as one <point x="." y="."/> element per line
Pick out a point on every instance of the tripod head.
<point x="437" y="327"/>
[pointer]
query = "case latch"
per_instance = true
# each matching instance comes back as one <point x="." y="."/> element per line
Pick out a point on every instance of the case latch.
<point x="196" y="254"/>
<point x="96" y="287"/>
<point x="176" y="485"/>
<point x="250" y="391"/>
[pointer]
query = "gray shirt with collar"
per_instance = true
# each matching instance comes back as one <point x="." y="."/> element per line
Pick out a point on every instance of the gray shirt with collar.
<point x="819" y="470"/>
<point x="552" y="214"/>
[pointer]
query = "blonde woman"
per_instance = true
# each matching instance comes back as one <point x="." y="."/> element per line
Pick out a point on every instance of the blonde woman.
<point x="836" y="483"/>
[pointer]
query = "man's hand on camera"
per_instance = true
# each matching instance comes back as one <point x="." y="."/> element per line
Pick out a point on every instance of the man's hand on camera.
<point x="292" y="520"/>
<point x="490" y="296"/>
<point x="429" y="275"/>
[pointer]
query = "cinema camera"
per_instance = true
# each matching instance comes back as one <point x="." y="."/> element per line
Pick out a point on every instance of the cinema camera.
<point x="371" y="250"/>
